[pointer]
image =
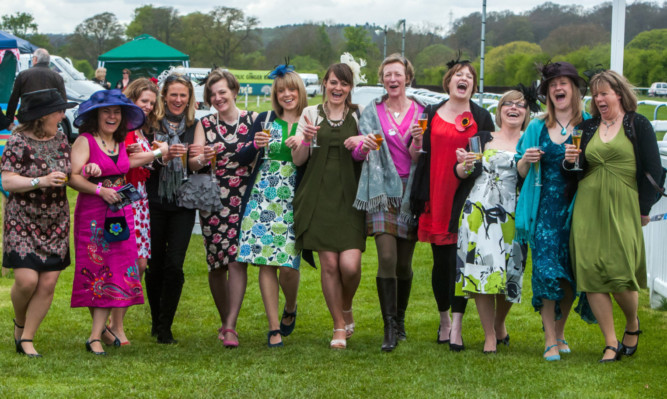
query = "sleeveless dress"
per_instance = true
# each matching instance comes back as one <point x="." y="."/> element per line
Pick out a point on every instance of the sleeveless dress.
<point x="142" y="218"/>
<point x="607" y="243"/>
<point x="267" y="228"/>
<point x="36" y="223"/>
<point x="489" y="259"/>
<point x="551" y="255"/>
<point x="105" y="275"/>
<point x="324" y="218"/>
<point x="220" y="230"/>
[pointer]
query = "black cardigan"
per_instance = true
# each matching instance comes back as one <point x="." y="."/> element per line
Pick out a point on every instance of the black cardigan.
<point x="420" y="186"/>
<point x="647" y="155"/>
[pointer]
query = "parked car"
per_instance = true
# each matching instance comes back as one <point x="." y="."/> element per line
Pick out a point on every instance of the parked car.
<point x="312" y="83"/>
<point x="658" y="89"/>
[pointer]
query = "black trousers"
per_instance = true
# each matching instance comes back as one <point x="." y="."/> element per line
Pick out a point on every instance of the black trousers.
<point x="170" y="236"/>
<point x="443" y="279"/>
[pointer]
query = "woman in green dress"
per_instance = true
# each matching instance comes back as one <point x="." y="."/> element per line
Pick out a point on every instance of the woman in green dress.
<point x="613" y="201"/>
<point x="324" y="219"/>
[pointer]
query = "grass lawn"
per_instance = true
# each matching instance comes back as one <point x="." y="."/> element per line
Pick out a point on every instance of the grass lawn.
<point x="199" y="366"/>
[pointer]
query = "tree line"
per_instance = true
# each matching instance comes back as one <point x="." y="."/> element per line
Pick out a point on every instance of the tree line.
<point x="227" y="37"/>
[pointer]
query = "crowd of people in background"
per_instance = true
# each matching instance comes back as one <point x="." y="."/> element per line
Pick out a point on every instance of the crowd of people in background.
<point x="273" y="188"/>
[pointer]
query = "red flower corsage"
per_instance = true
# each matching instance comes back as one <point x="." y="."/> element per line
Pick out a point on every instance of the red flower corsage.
<point x="463" y="121"/>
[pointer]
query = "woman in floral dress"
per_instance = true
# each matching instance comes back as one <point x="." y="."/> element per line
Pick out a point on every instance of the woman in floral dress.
<point x="267" y="228"/>
<point x="226" y="136"/>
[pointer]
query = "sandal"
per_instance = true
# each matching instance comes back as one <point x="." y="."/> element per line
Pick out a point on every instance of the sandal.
<point x="90" y="349"/>
<point x="552" y="358"/>
<point x="349" y="328"/>
<point x="563" y="342"/>
<point x="228" y="343"/>
<point x="115" y="342"/>
<point x="286" y="329"/>
<point x="268" y="339"/>
<point x="339" y="343"/>
<point x="16" y="341"/>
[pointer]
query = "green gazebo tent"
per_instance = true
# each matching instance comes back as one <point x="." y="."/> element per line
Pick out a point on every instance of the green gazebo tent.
<point x="144" y="56"/>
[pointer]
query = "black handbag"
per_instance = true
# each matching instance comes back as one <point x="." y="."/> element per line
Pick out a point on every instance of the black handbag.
<point x="115" y="227"/>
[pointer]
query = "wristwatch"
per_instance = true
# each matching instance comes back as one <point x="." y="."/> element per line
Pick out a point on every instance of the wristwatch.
<point x="34" y="182"/>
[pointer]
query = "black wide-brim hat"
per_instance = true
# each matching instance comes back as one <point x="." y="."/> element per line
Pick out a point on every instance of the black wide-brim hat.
<point x="134" y="116"/>
<point x="36" y="104"/>
<point x="558" y="69"/>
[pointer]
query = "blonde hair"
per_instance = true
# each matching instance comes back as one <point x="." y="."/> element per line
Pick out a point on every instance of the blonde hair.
<point x="182" y="79"/>
<point x="134" y="90"/>
<point x="512" y="95"/>
<point x="619" y="85"/>
<point x="35" y="126"/>
<point x="397" y="58"/>
<point x="576" y="104"/>
<point x="292" y="81"/>
<point x="99" y="72"/>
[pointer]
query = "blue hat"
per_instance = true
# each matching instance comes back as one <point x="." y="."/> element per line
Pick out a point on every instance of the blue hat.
<point x="109" y="98"/>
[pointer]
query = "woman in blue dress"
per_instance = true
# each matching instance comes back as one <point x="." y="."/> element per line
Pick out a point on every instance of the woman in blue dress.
<point x="542" y="209"/>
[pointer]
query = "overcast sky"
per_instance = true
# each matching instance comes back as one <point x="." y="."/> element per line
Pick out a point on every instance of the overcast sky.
<point x="62" y="16"/>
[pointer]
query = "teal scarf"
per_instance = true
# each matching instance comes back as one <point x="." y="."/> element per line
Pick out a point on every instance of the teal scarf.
<point x="380" y="186"/>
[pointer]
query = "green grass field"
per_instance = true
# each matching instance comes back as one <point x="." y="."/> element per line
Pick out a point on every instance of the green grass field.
<point x="199" y="366"/>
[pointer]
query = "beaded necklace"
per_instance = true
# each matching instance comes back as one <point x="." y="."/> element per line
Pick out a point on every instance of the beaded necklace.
<point x="336" y="123"/>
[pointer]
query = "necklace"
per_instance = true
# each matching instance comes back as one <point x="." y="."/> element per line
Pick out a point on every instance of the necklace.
<point x="110" y="151"/>
<point x="336" y="123"/>
<point x="217" y="124"/>
<point x="396" y="114"/>
<point x="394" y="128"/>
<point x="563" y="132"/>
<point x="609" y="124"/>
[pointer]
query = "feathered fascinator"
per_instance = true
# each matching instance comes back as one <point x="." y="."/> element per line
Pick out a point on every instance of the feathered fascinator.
<point x="458" y="60"/>
<point x="203" y="80"/>
<point x="281" y="70"/>
<point x="593" y="71"/>
<point x="347" y="58"/>
<point x="530" y="96"/>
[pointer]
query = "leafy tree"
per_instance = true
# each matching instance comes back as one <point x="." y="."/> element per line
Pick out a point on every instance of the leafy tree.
<point x="95" y="36"/>
<point x="504" y="64"/>
<point x="650" y="40"/>
<point x="84" y="67"/>
<point x="230" y="29"/>
<point x="307" y="64"/>
<point x="359" y="43"/>
<point x="193" y="39"/>
<point x="160" y="22"/>
<point x="20" y="24"/>
<point x="565" y="39"/>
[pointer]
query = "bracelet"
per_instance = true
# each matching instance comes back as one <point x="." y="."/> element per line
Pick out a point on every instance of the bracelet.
<point x="305" y="144"/>
<point x="416" y="147"/>
<point x="565" y="167"/>
<point x="254" y="143"/>
<point x="466" y="170"/>
<point x="99" y="187"/>
<point x="157" y="153"/>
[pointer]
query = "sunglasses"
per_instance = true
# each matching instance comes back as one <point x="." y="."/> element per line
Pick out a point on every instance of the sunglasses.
<point x="177" y="77"/>
<point x="517" y="104"/>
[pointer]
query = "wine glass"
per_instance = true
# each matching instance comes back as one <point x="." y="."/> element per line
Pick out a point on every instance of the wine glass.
<point x="576" y="140"/>
<point x="423" y="122"/>
<point x="538" y="176"/>
<point x="266" y="130"/>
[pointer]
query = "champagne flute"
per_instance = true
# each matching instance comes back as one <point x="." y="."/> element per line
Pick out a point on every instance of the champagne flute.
<point x="317" y="123"/>
<point x="266" y="130"/>
<point x="538" y="177"/>
<point x="423" y="122"/>
<point x="184" y="159"/>
<point x="475" y="147"/>
<point x="214" y="159"/>
<point x="576" y="140"/>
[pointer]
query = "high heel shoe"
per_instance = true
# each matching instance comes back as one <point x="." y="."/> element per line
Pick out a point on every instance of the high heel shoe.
<point x="16" y="341"/>
<point x="349" y="328"/>
<point x="552" y="358"/>
<point x="20" y="350"/>
<point x="505" y="341"/>
<point x="115" y="342"/>
<point x="613" y="359"/>
<point x="268" y="339"/>
<point x="456" y="347"/>
<point x="90" y="349"/>
<point x="630" y="350"/>
<point x="441" y="341"/>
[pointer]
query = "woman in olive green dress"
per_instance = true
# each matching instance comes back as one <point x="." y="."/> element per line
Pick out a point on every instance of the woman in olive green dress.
<point x="613" y="201"/>
<point x="324" y="218"/>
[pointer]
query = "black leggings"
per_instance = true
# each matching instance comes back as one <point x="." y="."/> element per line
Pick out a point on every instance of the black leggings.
<point x="443" y="279"/>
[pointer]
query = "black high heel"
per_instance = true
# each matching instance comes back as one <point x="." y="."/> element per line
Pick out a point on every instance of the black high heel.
<point x="116" y="341"/>
<point x="456" y="347"/>
<point x="441" y="341"/>
<point x="505" y="341"/>
<point x="20" y="350"/>
<point x="630" y="350"/>
<point x="90" y="349"/>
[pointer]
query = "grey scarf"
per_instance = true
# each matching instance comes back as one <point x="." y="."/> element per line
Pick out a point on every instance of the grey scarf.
<point x="380" y="186"/>
<point x="171" y="175"/>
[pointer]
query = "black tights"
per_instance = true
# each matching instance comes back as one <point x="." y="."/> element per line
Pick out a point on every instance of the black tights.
<point x="443" y="279"/>
<point x="394" y="256"/>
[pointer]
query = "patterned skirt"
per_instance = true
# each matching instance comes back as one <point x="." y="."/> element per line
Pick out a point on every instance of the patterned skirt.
<point x="142" y="223"/>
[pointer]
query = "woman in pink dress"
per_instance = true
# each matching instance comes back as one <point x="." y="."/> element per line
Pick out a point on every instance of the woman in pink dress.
<point x="105" y="275"/>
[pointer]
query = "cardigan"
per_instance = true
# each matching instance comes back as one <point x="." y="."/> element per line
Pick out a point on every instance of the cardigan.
<point x="647" y="155"/>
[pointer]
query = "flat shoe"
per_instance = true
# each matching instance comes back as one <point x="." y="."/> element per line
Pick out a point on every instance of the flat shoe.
<point x="613" y="359"/>
<point x="552" y="358"/>
<point x="564" y="342"/>
<point x="268" y="339"/>
<point x="630" y="350"/>
<point x="286" y="329"/>
<point x="90" y="349"/>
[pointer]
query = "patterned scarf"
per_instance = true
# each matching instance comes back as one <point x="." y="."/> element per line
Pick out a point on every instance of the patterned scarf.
<point x="171" y="175"/>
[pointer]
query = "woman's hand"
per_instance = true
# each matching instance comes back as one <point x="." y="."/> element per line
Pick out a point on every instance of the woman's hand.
<point x="292" y="142"/>
<point x="352" y="142"/>
<point x="645" y="220"/>
<point x="461" y="155"/>
<point x="175" y="151"/>
<point x="532" y="155"/>
<point x="53" y="179"/>
<point x="109" y="195"/>
<point x="133" y="148"/>
<point x="417" y="135"/>
<point x="92" y="170"/>
<point x="368" y="143"/>
<point x="262" y="139"/>
<point x="309" y="131"/>
<point x="571" y="153"/>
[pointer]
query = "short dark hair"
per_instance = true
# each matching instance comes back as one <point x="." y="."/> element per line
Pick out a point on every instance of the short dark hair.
<point x="453" y="70"/>
<point x="214" y="77"/>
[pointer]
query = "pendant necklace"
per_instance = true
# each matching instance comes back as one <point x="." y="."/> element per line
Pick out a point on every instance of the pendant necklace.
<point x="609" y="124"/>
<point x="563" y="132"/>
